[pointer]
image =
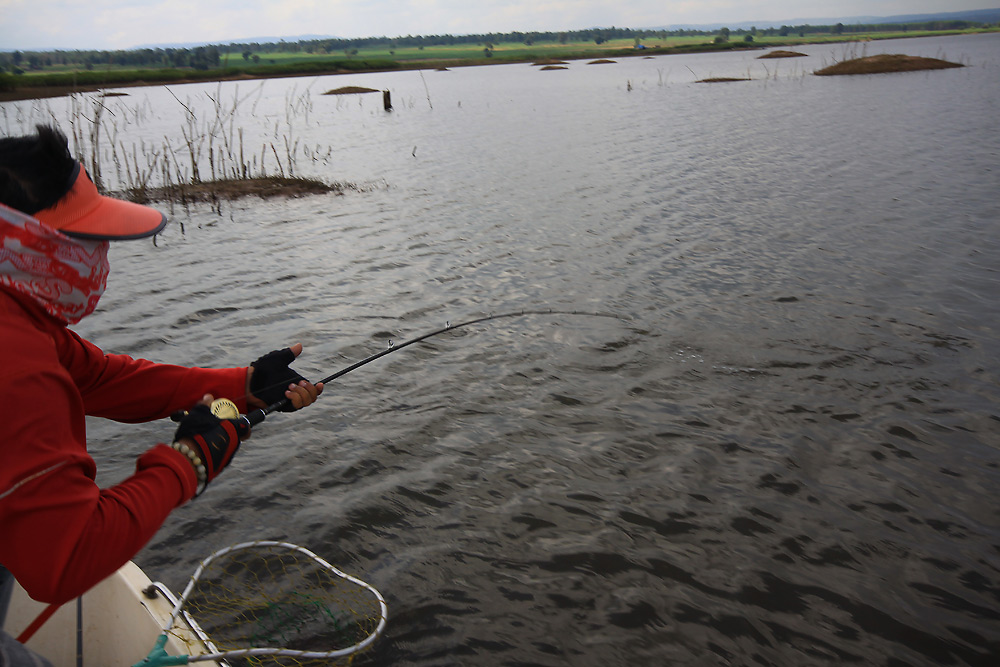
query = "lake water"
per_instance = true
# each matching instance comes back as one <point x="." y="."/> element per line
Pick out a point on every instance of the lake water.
<point x="786" y="450"/>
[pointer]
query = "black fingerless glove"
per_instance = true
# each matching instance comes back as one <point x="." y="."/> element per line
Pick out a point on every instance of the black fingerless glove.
<point x="215" y="442"/>
<point x="271" y="377"/>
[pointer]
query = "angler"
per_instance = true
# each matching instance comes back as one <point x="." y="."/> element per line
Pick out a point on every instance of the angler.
<point x="60" y="534"/>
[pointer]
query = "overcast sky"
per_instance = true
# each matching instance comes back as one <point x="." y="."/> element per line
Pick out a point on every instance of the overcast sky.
<point x="124" y="24"/>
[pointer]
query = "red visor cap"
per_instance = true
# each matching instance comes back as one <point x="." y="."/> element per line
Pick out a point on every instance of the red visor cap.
<point x="86" y="214"/>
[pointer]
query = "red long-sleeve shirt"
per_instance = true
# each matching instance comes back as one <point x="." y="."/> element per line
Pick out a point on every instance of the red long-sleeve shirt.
<point x="60" y="534"/>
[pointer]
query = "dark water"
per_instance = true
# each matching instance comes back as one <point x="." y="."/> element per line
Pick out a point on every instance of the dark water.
<point x="786" y="453"/>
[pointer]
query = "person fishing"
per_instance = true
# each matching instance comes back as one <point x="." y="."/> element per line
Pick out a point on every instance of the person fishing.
<point x="60" y="534"/>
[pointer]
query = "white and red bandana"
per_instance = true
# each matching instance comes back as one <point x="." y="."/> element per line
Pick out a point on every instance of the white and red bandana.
<point x="66" y="276"/>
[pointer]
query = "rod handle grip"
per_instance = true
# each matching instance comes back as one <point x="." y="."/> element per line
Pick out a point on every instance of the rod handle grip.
<point x="257" y="416"/>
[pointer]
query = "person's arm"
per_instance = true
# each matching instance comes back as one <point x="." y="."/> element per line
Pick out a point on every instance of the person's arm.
<point x="63" y="535"/>
<point x="135" y="390"/>
<point x="59" y="533"/>
<point x="131" y="390"/>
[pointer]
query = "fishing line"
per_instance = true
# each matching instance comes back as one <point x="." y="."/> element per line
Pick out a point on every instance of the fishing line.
<point x="257" y="416"/>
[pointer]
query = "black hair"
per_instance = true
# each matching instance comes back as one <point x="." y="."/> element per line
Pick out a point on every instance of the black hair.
<point x="35" y="169"/>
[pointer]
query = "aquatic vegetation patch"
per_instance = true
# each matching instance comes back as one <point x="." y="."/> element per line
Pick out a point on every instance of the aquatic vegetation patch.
<point x="236" y="188"/>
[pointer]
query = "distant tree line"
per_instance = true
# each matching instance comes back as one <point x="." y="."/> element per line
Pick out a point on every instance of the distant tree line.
<point x="842" y="28"/>
<point x="215" y="56"/>
<point x="198" y="58"/>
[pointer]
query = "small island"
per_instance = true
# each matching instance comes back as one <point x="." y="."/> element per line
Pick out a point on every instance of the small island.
<point x="884" y="63"/>
<point x="264" y="187"/>
<point x="350" y="90"/>
<point x="779" y="53"/>
<point x="722" y="79"/>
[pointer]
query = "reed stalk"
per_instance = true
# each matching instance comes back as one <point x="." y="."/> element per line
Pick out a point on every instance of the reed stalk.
<point x="211" y="148"/>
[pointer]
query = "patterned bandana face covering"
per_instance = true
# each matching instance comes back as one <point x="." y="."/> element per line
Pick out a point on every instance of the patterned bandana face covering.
<point x="66" y="276"/>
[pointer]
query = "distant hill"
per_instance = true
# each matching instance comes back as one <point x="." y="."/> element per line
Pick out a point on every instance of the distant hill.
<point x="975" y="15"/>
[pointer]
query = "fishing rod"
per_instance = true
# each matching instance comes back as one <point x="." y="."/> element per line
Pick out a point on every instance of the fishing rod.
<point x="257" y="416"/>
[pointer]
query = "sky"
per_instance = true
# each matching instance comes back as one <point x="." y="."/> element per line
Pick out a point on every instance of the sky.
<point x="125" y="24"/>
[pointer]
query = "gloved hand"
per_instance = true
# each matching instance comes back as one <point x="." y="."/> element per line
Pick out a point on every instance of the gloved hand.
<point x="272" y="379"/>
<point x="209" y="442"/>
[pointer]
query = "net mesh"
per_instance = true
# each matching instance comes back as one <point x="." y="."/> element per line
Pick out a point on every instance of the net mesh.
<point x="273" y="596"/>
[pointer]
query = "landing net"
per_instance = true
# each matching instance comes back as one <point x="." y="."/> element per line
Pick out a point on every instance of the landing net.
<point x="274" y="603"/>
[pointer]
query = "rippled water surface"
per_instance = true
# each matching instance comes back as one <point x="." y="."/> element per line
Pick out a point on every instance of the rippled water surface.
<point x="785" y="453"/>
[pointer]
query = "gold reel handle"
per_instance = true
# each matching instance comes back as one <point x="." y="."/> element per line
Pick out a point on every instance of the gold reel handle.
<point x="223" y="408"/>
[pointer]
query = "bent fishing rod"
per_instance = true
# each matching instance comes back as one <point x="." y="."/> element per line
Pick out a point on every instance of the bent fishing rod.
<point x="259" y="415"/>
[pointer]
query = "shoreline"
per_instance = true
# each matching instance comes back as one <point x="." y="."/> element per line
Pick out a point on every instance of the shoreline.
<point x="46" y="92"/>
<point x="42" y="91"/>
<point x="10" y="92"/>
